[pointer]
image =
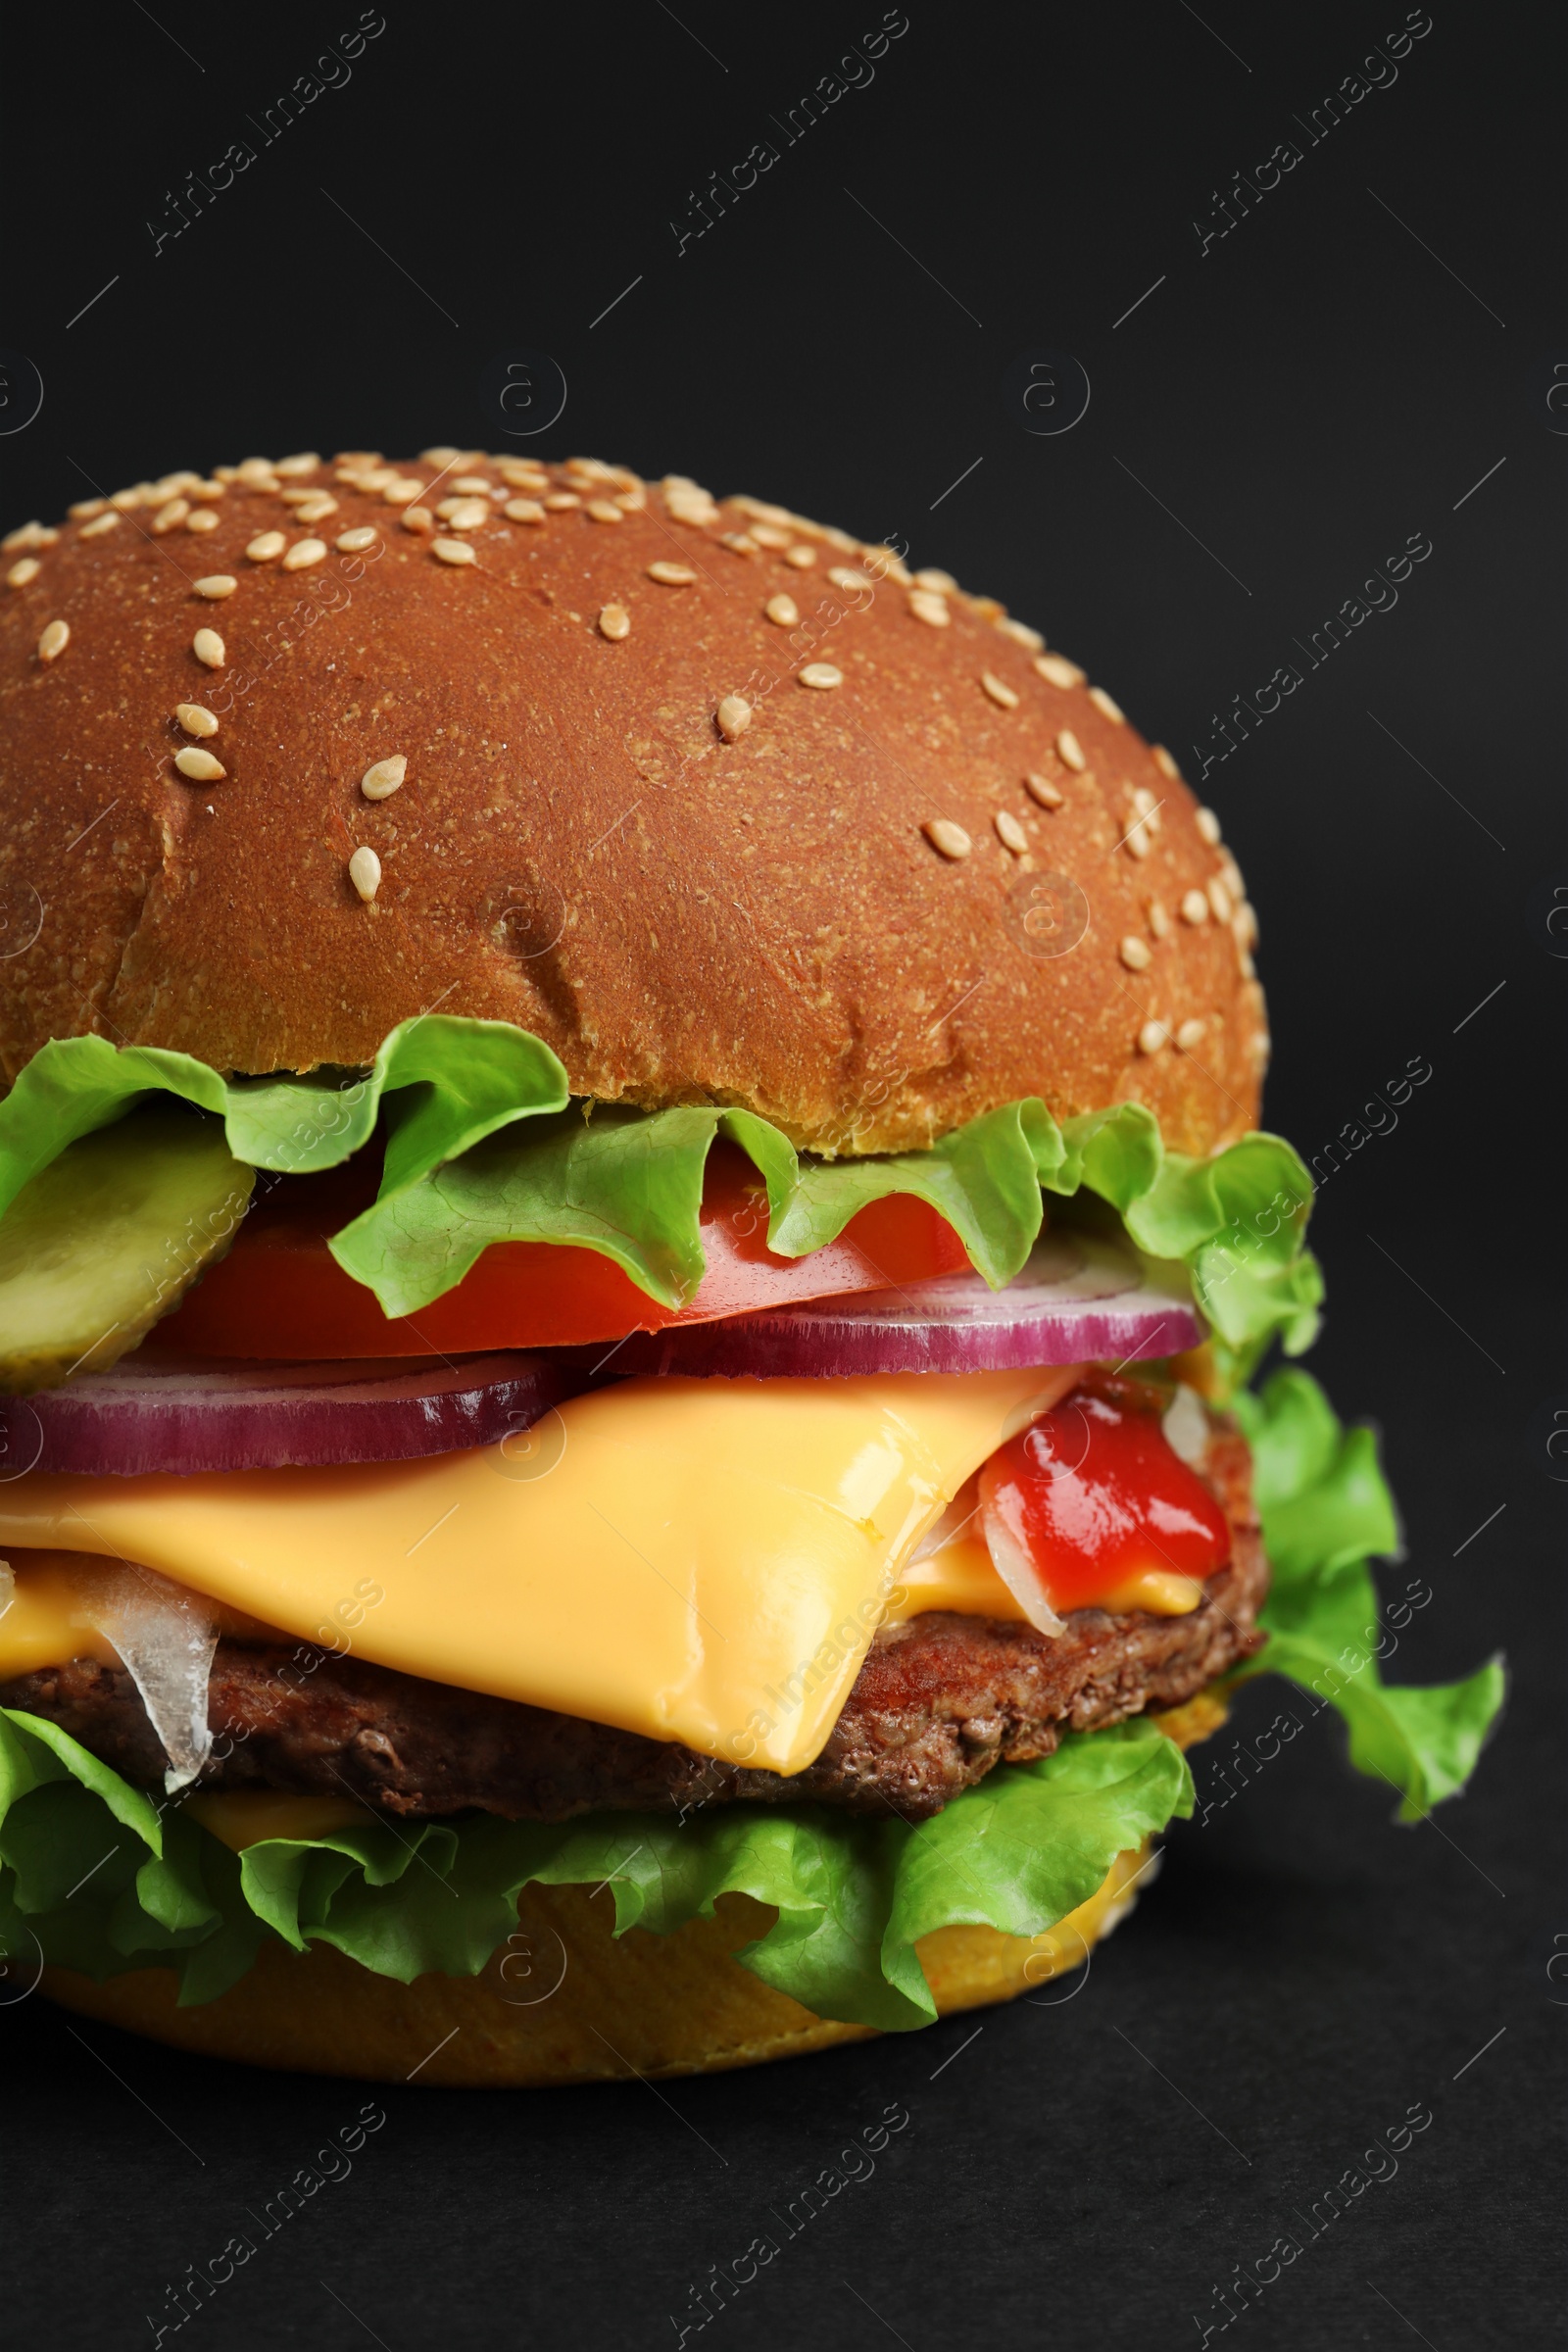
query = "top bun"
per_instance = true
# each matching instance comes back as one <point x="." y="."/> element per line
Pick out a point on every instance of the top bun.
<point x="724" y="804"/>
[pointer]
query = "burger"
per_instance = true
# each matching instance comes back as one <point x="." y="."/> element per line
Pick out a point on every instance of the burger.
<point x="633" y="1245"/>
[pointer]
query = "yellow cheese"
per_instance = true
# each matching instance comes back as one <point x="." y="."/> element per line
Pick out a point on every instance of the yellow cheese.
<point x="43" y="1622"/>
<point x="701" y="1560"/>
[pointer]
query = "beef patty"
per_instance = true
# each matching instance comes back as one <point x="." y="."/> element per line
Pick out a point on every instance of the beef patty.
<point x="939" y="1699"/>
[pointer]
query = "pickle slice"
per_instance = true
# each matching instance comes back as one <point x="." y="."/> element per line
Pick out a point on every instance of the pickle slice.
<point x="109" y="1237"/>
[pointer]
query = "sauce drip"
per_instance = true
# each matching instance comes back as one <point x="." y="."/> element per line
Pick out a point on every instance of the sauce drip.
<point x="1093" y="1496"/>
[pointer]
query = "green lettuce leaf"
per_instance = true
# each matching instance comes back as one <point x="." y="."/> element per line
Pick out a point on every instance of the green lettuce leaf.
<point x="105" y="1881"/>
<point x="462" y="1170"/>
<point x="447" y="1083"/>
<point x="1326" y="1512"/>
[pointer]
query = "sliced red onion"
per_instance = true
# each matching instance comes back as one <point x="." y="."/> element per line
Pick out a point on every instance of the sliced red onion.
<point x="188" y="1415"/>
<point x="1079" y="1300"/>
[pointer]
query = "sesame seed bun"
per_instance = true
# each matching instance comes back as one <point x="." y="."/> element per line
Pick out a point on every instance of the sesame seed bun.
<point x="721" y="803"/>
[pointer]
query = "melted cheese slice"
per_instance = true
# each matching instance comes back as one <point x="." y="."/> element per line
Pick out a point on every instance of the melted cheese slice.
<point x="701" y="1560"/>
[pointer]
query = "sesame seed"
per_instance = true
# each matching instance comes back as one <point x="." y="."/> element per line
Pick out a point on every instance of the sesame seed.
<point x="1233" y="875"/>
<point x="1146" y="804"/>
<point x="306" y="460"/>
<point x="365" y="872"/>
<point x="1138" y="841"/>
<point x="21" y="573"/>
<point x="417" y="518"/>
<point x="604" y="509"/>
<point x="109" y="521"/>
<point x="124" y="500"/>
<point x="464" y="514"/>
<point x="695" y="512"/>
<point x="1159" y="919"/>
<point x="1134" y="953"/>
<point x="822" y="676"/>
<point x="400" y="491"/>
<point x="1070" y="752"/>
<point x="1021" y="633"/>
<point x="209" y="648"/>
<point x="1005" y="697"/>
<point x="757" y="508"/>
<point x="1248" y="967"/>
<point x="768" y="535"/>
<point x="937" y="583"/>
<point x="1209" y="826"/>
<point x="297" y="498"/>
<point x="1219" y="898"/>
<point x="927" y="606"/>
<point x="351" y="543"/>
<point x="560" y="501"/>
<point x="949" y="839"/>
<point x="380" y="781"/>
<point x="167" y="517"/>
<point x="199" y="766"/>
<point x="1009" y="832"/>
<point x="451" y="551"/>
<point x="1151" y="1036"/>
<point x="1042" y="789"/>
<point x="31" y="534"/>
<point x="53" y="641"/>
<point x="83" y="510"/>
<point x="801" y="559"/>
<point x="267" y="547"/>
<point x="524" y="510"/>
<point x="1194" y="907"/>
<point x="203" y="519"/>
<point x="472" y="485"/>
<point x="671" y="575"/>
<point x="845" y="576"/>
<point x="1103" y="703"/>
<point x="1244" y="925"/>
<point x="217" y="584"/>
<point x="260" y="470"/>
<point x="315" y="510"/>
<point x="194" y="719"/>
<point x="441" y="456"/>
<point x="1190" y="1036"/>
<point x="304" y="553"/>
<point x="733" y="716"/>
<point x="1057" y="671"/>
<point x="615" y="622"/>
<point x="1166" y="764"/>
<point x="782" y="610"/>
<point x="885" y="564"/>
<point x="739" y="543"/>
<point x="518" y="475"/>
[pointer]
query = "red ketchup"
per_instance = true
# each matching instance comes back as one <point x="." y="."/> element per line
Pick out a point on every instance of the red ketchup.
<point x="1092" y="1495"/>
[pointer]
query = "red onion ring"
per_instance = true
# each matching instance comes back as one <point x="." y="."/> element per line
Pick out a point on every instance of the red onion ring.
<point x="188" y="1415"/>
<point x="1079" y="1300"/>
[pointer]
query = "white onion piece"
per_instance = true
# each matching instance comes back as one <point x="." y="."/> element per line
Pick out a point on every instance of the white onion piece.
<point x="1009" y="1556"/>
<point x="1186" y="1425"/>
<point x="169" y="1413"/>
<point x="1080" y="1299"/>
<point x="166" y="1637"/>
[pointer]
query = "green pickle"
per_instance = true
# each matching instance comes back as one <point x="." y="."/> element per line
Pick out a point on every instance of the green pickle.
<point x="109" y="1238"/>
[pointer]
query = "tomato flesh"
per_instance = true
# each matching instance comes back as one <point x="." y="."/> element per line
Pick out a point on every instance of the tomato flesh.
<point x="1094" y="1496"/>
<point x="280" y="1294"/>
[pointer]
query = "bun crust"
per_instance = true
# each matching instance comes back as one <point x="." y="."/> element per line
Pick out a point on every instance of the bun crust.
<point x="649" y="2005"/>
<point x="838" y="901"/>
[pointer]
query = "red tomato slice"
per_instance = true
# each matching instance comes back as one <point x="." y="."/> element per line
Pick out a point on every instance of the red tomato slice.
<point x="1093" y="1493"/>
<point x="281" y="1294"/>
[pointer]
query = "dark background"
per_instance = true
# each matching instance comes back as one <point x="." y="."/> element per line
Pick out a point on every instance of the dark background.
<point x="1280" y="414"/>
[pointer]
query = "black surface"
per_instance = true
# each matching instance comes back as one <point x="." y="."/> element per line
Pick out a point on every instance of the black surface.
<point x="1320" y="385"/>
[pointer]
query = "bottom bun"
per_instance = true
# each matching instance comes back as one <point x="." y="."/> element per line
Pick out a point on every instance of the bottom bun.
<point x="567" y="2001"/>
